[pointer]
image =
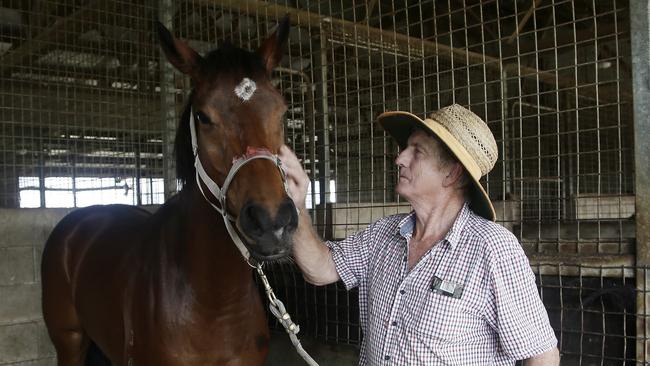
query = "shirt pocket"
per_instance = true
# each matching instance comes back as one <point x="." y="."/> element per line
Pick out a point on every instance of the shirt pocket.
<point x="444" y="318"/>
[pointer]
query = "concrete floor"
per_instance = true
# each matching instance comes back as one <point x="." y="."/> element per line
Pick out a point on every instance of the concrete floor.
<point x="282" y="352"/>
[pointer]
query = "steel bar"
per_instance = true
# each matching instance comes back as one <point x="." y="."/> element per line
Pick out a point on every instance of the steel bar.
<point x="167" y="106"/>
<point x="640" y="30"/>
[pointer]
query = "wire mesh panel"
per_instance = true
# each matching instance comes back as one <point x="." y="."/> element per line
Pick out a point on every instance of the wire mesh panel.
<point x="87" y="116"/>
<point x="79" y="105"/>
<point x="592" y="309"/>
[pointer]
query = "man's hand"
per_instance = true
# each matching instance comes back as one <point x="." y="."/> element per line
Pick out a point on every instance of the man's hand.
<point x="297" y="179"/>
<point x="548" y="358"/>
<point x="311" y="254"/>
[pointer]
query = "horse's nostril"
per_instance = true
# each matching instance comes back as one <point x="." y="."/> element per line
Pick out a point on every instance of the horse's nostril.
<point x="254" y="220"/>
<point x="250" y="212"/>
<point x="287" y="216"/>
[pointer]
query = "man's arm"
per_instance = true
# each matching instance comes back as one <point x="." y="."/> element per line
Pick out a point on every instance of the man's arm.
<point x="548" y="358"/>
<point x="311" y="254"/>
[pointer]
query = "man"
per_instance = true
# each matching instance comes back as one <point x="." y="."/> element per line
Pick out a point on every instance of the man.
<point x="443" y="285"/>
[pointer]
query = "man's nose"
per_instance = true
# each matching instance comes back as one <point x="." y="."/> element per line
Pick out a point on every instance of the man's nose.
<point x="399" y="160"/>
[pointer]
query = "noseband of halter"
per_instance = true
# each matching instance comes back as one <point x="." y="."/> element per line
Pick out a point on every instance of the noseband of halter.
<point x="220" y="194"/>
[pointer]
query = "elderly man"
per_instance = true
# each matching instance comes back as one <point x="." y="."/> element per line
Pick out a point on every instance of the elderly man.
<point x="443" y="285"/>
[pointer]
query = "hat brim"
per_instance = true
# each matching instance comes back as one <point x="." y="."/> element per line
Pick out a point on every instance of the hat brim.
<point x="399" y="125"/>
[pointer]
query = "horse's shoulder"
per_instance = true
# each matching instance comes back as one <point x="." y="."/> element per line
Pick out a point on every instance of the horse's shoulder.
<point x="100" y="218"/>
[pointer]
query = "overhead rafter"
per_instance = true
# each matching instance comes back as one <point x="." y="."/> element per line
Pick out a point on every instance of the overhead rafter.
<point x="49" y="36"/>
<point x="523" y="21"/>
<point x="370" y="7"/>
<point x="52" y="35"/>
<point x="370" y="37"/>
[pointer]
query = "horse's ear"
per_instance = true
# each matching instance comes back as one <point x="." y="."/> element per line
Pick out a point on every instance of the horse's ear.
<point x="272" y="49"/>
<point x="179" y="54"/>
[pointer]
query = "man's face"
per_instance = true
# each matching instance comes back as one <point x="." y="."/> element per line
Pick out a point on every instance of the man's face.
<point x="420" y="175"/>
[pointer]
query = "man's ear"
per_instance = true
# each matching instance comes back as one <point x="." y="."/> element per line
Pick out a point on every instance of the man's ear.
<point x="454" y="174"/>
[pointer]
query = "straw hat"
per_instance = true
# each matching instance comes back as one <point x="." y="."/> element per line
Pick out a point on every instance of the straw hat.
<point x="464" y="133"/>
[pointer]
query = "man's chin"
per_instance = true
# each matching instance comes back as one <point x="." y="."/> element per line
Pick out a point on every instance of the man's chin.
<point x="401" y="192"/>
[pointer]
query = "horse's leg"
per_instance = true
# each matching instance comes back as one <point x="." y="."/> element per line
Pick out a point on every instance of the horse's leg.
<point x="69" y="339"/>
<point x="63" y="324"/>
<point x="71" y="347"/>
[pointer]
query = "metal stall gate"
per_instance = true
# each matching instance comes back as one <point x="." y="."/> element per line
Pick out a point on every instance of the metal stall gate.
<point x="88" y="113"/>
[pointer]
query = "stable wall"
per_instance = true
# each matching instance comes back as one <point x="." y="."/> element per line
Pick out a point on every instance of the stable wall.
<point x="23" y="336"/>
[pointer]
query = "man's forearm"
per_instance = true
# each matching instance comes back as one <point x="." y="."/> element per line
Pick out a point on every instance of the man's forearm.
<point x="312" y="255"/>
<point x="548" y="358"/>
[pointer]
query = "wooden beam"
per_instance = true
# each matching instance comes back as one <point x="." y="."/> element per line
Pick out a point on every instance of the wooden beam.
<point x="57" y="32"/>
<point x="523" y="21"/>
<point x="616" y="266"/>
<point x="48" y="37"/>
<point x="370" y="7"/>
<point x="388" y="40"/>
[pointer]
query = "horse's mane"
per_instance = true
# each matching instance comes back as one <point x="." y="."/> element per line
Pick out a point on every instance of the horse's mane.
<point x="226" y="60"/>
<point x="183" y="147"/>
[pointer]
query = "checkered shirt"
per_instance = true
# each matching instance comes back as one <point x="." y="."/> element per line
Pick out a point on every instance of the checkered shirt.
<point x="410" y="318"/>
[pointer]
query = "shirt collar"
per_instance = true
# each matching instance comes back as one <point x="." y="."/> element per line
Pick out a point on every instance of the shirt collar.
<point x="407" y="224"/>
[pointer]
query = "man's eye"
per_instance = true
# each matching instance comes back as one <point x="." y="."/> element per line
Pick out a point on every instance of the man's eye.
<point x="202" y="118"/>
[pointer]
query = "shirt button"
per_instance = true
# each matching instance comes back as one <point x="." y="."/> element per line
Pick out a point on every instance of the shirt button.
<point x="386" y="357"/>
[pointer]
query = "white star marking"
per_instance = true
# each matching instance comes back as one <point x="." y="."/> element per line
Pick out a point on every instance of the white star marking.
<point x="245" y="89"/>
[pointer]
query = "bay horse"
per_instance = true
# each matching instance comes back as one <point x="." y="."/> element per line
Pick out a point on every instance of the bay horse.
<point x="172" y="288"/>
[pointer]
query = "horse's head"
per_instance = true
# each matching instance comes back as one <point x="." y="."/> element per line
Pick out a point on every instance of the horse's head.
<point x="237" y="114"/>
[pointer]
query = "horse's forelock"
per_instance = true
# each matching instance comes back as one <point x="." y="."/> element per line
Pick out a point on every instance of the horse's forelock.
<point x="231" y="60"/>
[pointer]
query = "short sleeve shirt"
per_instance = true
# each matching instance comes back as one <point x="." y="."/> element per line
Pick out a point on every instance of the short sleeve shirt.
<point x="470" y="300"/>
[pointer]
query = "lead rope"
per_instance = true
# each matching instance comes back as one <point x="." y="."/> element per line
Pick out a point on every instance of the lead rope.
<point x="275" y="305"/>
<point x="277" y="309"/>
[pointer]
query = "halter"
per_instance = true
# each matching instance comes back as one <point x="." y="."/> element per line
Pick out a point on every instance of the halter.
<point x="276" y="306"/>
<point x="221" y="193"/>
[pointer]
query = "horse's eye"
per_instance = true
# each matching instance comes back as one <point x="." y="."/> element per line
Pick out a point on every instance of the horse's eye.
<point x="202" y="117"/>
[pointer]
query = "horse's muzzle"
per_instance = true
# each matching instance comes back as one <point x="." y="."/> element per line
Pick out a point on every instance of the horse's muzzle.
<point x="269" y="237"/>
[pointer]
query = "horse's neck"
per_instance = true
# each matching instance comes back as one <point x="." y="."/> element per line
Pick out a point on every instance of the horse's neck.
<point x="212" y="262"/>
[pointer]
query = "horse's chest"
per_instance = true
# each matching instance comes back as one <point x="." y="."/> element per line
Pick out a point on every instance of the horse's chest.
<point x="228" y="338"/>
<point x="217" y="349"/>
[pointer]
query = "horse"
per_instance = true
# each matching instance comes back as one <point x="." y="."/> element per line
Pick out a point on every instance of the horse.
<point x="172" y="287"/>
